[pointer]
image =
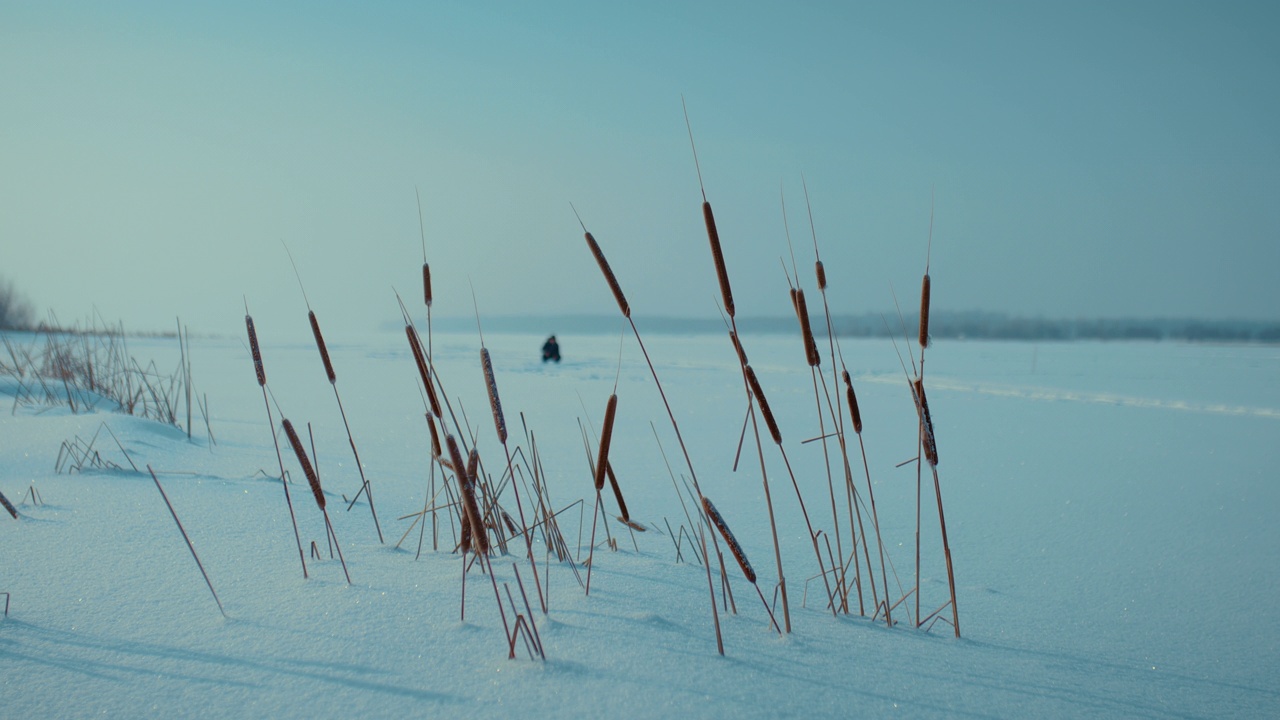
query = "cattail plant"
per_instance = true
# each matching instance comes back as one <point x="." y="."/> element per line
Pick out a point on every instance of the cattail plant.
<point x="926" y="422"/>
<point x="717" y="257"/>
<point x="602" y="463"/>
<point x="609" y="278"/>
<point x="855" y="416"/>
<point x="738" y="553"/>
<point x="420" y="360"/>
<point x="763" y="404"/>
<point x="726" y="292"/>
<point x="813" y="355"/>
<point x="471" y="517"/>
<point x="365" y="488"/>
<point x="616" y="289"/>
<point x="500" y="427"/>
<point x="313" y="480"/>
<point x="262" y="383"/>
<point x="930" y="451"/>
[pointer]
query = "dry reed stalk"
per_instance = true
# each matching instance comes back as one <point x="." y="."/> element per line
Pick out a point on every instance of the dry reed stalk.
<point x="675" y="426"/>
<point x="769" y="420"/>
<point x="500" y="426"/>
<point x="924" y="312"/>
<point x="262" y="384"/>
<point x="185" y="537"/>
<point x="768" y="499"/>
<point x="856" y="417"/>
<point x="729" y="539"/>
<point x="717" y="256"/>
<point x="312" y="479"/>
<point x="365" y="487"/>
<point x="609" y="277"/>
<point x="946" y="551"/>
<point x="715" y="614"/>
<point x="8" y="506"/>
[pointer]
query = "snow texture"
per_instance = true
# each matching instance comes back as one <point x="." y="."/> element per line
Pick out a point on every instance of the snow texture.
<point x="1111" y="511"/>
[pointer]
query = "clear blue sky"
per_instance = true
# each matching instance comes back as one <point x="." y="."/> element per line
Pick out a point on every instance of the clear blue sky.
<point x="1088" y="159"/>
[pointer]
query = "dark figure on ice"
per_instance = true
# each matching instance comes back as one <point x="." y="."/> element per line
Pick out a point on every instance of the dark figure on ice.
<point x="551" y="350"/>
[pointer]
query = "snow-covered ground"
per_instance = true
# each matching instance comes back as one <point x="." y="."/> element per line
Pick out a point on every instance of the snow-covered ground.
<point x="1112" y="512"/>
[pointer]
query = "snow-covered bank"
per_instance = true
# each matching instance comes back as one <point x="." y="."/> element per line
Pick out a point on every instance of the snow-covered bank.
<point x="1110" y="507"/>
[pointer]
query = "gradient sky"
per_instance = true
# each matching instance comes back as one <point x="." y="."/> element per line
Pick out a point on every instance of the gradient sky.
<point x="1087" y="159"/>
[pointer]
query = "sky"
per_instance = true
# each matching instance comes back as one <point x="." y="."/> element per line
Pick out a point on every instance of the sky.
<point x="1113" y="159"/>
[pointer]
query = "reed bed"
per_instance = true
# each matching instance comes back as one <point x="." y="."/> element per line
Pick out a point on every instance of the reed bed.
<point x="89" y="367"/>
<point x="477" y="504"/>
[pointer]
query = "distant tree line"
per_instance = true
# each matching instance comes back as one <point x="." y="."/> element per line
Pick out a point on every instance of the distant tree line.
<point x="999" y="326"/>
<point x="942" y="326"/>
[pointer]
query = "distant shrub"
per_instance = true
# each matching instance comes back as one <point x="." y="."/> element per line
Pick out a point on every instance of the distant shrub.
<point x="16" y="312"/>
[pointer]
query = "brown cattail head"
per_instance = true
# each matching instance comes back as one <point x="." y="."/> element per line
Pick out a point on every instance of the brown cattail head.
<point x="806" y="330"/>
<point x="324" y="351"/>
<point x="924" y="312"/>
<point x="473" y="468"/>
<point x="257" y="354"/>
<point x="822" y="274"/>
<point x="495" y="404"/>
<point x="466" y="488"/>
<point x="456" y="462"/>
<point x="312" y="479"/>
<point x="853" y="402"/>
<point x="481" y="537"/>
<point x="608" y="276"/>
<point x="465" y="544"/>
<point x="426" y="283"/>
<point x="511" y="523"/>
<point x="435" y="436"/>
<point x="737" y="347"/>
<point x="927" y="438"/>
<point x="732" y="541"/>
<point x="617" y="493"/>
<point x="764" y="405"/>
<point x="420" y="359"/>
<point x="793" y="302"/>
<point x="606" y="436"/>
<point x="717" y="256"/>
